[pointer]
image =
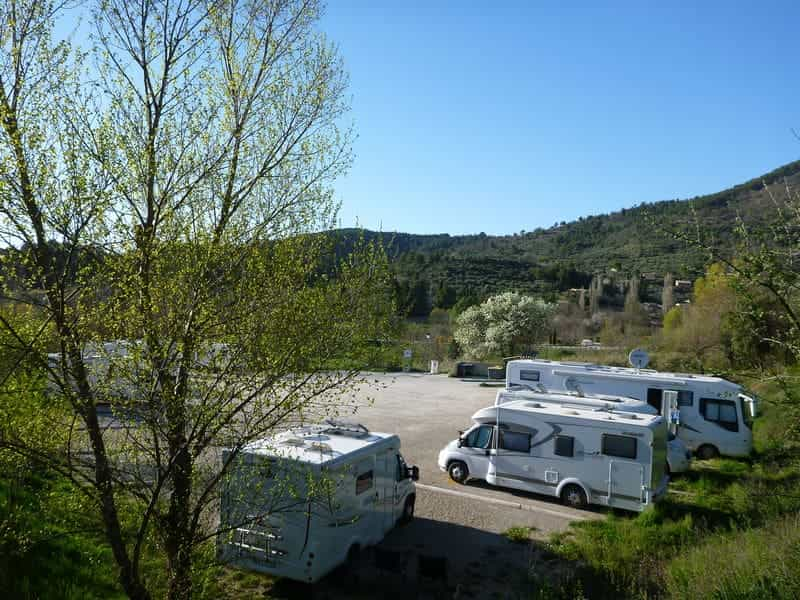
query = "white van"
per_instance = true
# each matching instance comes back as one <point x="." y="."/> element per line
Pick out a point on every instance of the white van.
<point x="300" y="503"/>
<point x="678" y="454"/>
<point x="715" y="414"/>
<point x="581" y="456"/>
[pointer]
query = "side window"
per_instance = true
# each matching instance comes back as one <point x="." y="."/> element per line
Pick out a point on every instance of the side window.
<point x="480" y="437"/>
<point x="721" y="412"/>
<point x="528" y="375"/>
<point x="654" y="396"/>
<point x="515" y="441"/>
<point x="564" y="445"/>
<point x="364" y="482"/>
<point x="619" y="445"/>
<point x="685" y="398"/>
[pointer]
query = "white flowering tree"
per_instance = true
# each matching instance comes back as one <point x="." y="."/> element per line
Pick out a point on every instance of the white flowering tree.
<point x="503" y="325"/>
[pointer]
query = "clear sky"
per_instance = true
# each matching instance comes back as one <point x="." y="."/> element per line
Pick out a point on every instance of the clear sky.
<point x="503" y="116"/>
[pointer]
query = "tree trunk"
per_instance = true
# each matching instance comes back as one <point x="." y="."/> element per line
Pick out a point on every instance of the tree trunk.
<point x="178" y="535"/>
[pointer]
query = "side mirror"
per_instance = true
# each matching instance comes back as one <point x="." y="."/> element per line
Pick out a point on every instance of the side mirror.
<point x="460" y="442"/>
<point x="414" y="473"/>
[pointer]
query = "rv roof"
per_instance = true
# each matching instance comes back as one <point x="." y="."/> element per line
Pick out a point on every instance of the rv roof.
<point x="316" y="444"/>
<point x="565" y="396"/>
<point x="609" y="370"/>
<point x="526" y="406"/>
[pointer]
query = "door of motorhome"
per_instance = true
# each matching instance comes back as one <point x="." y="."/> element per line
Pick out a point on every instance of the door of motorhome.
<point x="299" y="503"/>
<point x="715" y="414"/>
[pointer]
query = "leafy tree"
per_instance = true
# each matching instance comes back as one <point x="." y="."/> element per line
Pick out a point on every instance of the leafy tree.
<point x="505" y="324"/>
<point x="197" y="159"/>
<point x="445" y="296"/>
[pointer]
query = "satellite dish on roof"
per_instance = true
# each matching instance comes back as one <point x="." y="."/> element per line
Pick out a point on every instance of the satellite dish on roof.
<point x="638" y="358"/>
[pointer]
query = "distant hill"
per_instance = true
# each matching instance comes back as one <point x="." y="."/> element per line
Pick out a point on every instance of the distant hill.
<point x="549" y="260"/>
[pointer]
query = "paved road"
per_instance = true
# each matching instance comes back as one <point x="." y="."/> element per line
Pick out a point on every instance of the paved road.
<point x="427" y="411"/>
<point x="463" y="523"/>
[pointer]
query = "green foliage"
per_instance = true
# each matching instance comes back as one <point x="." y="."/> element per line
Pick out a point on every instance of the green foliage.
<point x="564" y="256"/>
<point x="503" y="325"/>
<point x="749" y="564"/>
<point x="519" y="534"/>
<point x="728" y="529"/>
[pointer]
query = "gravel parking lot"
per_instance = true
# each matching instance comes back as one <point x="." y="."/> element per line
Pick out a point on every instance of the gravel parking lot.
<point x="427" y="411"/>
<point x="463" y="523"/>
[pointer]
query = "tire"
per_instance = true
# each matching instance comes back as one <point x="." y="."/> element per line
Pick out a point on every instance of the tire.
<point x="458" y="471"/>
<point x="573" y="496"/>
<point x="707" y="452"/>
<point x="408" y="510"/>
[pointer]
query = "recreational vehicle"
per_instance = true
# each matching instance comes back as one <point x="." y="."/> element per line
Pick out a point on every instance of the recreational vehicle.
<point x="678" y="454"/>
<point x="300" y="503"/>
<point x="715" y="414"/>
<point x="580" y="456"/>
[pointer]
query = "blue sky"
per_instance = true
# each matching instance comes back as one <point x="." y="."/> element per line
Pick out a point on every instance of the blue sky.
<point x="505" y="116"/>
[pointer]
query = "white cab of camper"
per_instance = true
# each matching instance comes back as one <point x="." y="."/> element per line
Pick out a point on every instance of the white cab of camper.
<point x="302" y="502"/>
<point x="716" y="415"/>
<point x="581" y="456"/>
<point x="678" y="453"/>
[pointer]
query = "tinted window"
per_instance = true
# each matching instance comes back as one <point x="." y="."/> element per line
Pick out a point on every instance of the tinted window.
<point x="480" y="437"/>
<point x="721" y="412"/>
<point x="685" y="398"/>
<point x="515" y="441"/>
<point x="363" y="482"/>
<point x="528" y="375"/>
<point x="619" y="445"/>
<point x="654" y="398"/>
<point x="565" y="445"/>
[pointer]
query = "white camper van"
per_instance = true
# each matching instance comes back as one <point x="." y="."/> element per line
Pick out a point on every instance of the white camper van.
<point x="678" y="454"/>
<point x="300" y="503"/>
<point x="581" y="456"/>
<point x="715" y="414"/>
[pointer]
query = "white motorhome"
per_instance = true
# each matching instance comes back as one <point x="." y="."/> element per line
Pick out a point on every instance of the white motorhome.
<point x="581" y="456"/>
<point x="678" y="454"/>
<point x="715" y="414"/>
<point x="300" y="503"/>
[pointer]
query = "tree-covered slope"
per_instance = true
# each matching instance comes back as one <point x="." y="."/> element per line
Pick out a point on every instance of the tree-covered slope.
<point x="549" y="260"/>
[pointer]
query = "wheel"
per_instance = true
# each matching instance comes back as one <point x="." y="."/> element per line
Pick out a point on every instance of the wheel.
<point x="706" y="452"/>
<point x="573" y="495"/>
<point x="408" y="510"/>
<point x="458" y="471"/>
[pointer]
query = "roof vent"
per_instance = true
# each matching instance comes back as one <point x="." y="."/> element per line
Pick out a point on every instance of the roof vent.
<point x="321" y="447"/>
<point x="337" y="427"/>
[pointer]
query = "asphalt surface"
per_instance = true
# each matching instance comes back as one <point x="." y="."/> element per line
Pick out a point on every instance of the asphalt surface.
<point x="464" y="524"/>
<point x="427" y="412"/>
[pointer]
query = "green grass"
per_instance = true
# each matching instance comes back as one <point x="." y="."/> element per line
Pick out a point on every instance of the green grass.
<point x="728" y="529"/>
<point x="519" y="535"/>
<point x="757" y="563"/>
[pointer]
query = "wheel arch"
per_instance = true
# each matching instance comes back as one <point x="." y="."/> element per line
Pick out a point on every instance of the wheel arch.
<point x="573" y="481"/>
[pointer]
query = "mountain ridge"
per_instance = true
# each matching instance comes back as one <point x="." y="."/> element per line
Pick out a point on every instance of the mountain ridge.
<point x="623" y="239"/>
